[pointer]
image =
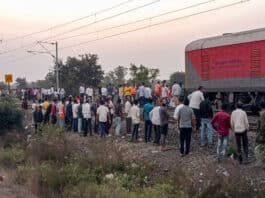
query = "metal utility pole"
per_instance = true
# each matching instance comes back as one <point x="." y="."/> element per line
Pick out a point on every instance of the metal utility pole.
<point x="56" y="59"/>
<point x="57" y="66"/>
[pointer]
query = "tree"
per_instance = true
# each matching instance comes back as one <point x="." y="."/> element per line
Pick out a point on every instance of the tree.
<point x="110" y="78"/>
<point x="143" y="74"/>
<point x="77" y="71"/>
<point x="179" y="77"/>
<point x="21" y="83"/>
<point x="120" y="73"/>
<point x="117" y="76"/>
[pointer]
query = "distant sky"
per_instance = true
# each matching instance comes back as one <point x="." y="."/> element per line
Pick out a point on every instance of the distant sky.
<point x="158" y="47"/>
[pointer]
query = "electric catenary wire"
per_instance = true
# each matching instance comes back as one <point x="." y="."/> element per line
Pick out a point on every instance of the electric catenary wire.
<point x="137" y="21"/>
<point x="75" y="29"/>
<point x="72" y="21"/>
<point x="101" y="20"/>
<point x="156" y="24"/>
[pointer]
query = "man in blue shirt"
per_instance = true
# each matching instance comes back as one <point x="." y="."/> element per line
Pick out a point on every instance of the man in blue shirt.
<point x="148" y="107"/>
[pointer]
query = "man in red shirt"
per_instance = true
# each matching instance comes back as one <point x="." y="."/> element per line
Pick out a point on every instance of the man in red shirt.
<point x="221" y="124"/>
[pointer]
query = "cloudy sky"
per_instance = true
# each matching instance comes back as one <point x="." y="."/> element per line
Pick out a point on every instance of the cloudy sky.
<point x="158" y="46"/>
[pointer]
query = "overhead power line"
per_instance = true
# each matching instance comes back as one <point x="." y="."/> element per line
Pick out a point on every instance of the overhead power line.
<point x="95" y="22"/>
<point x="101" y="20"/>
<point x="156" y="24"/>
<point x="148" y="26"/>
<point x="72" y="21"/>
<point x="137" y="21"/>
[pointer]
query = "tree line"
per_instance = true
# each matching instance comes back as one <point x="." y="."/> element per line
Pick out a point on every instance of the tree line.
<point x="85" y="69"/>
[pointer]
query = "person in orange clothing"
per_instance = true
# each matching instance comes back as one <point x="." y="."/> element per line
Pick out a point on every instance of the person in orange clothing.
<point x="157" y="90"/>
<point x="61" y="114"/>
<point x="134" y="92"/>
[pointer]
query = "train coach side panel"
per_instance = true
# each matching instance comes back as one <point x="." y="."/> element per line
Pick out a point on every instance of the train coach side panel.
<point x="193" y="70"/>
<point x="238" y="67"/>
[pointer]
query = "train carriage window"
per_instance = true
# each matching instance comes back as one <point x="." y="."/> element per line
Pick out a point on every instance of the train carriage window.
<point x="255" y="64"/>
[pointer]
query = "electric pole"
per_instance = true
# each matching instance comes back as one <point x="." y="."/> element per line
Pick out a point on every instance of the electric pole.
<point x="57" y="66"/>
<point x="56" y="59"/>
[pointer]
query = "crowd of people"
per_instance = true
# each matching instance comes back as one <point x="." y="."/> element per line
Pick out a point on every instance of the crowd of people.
<point x="148" y="108"/>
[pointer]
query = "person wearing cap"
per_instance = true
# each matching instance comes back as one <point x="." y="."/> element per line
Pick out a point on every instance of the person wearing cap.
<point x="240" y="126"/>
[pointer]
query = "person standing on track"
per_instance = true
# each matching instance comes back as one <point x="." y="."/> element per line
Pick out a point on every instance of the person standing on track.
<point x="240" y="126"/>
<point x="157" y="91"/>
<point x="127" y="109"/>
<point x="80" y="116"/>
<point x="221" y="123"/>
<point x="163" y="123"/>
<point x="75" y="116"/>
<point x="87" y="118"/>
<point x="54" y="111"/>
<point x="176" y="92"/>
<point x="141" y="91"/>
<point x="206" y="113"/>
<point x="135" y="113"/>
<point x="148" y="107"/>
<point x="128" y="91"/>
<point x="82" y="91"/>
<point x="103" y="117"/>
<point x="62" y="113"/>
<point x="69" y="114"/>
<point x="118" y="117"/>
<point x="156" y="121"/>
<point x="186" y="121"/>
<point x="195" y="99"/>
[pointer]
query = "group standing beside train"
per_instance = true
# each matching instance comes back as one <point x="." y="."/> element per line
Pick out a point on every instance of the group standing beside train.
<point x="102" y="114"/>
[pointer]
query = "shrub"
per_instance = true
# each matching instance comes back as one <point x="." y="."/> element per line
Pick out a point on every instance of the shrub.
<point x="50" y="143"/>
<point x="10" y="114"/>
<point x="12" y="156"/>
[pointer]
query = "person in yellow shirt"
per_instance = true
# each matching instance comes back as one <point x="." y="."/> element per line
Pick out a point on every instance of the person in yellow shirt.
<point x="127" y="91"/>
<point x="45" y="104"/>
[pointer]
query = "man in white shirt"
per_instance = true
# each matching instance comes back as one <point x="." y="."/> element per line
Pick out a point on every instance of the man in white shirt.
<point x="176" y="92"/>
<point x="240" y="126"/>
<point x="104" y="92"/>
<point x="164" y="92"/>
<point x="179" y="106"/>
<point x="147" y="93"/>
<point x="62" y="93"/>
<point x="86" y="111"/>
<point x="75" y="115"/>
<point x="195" y="99"/>
<point x="135" y="114"/>
<point x="141" y="94"/>
<point x="102" y="117"/>
<point x="89" y="93"/>
<point x="155" y="119"/>
<point x="82" y="91"/>
<point x="127" y="109"/>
